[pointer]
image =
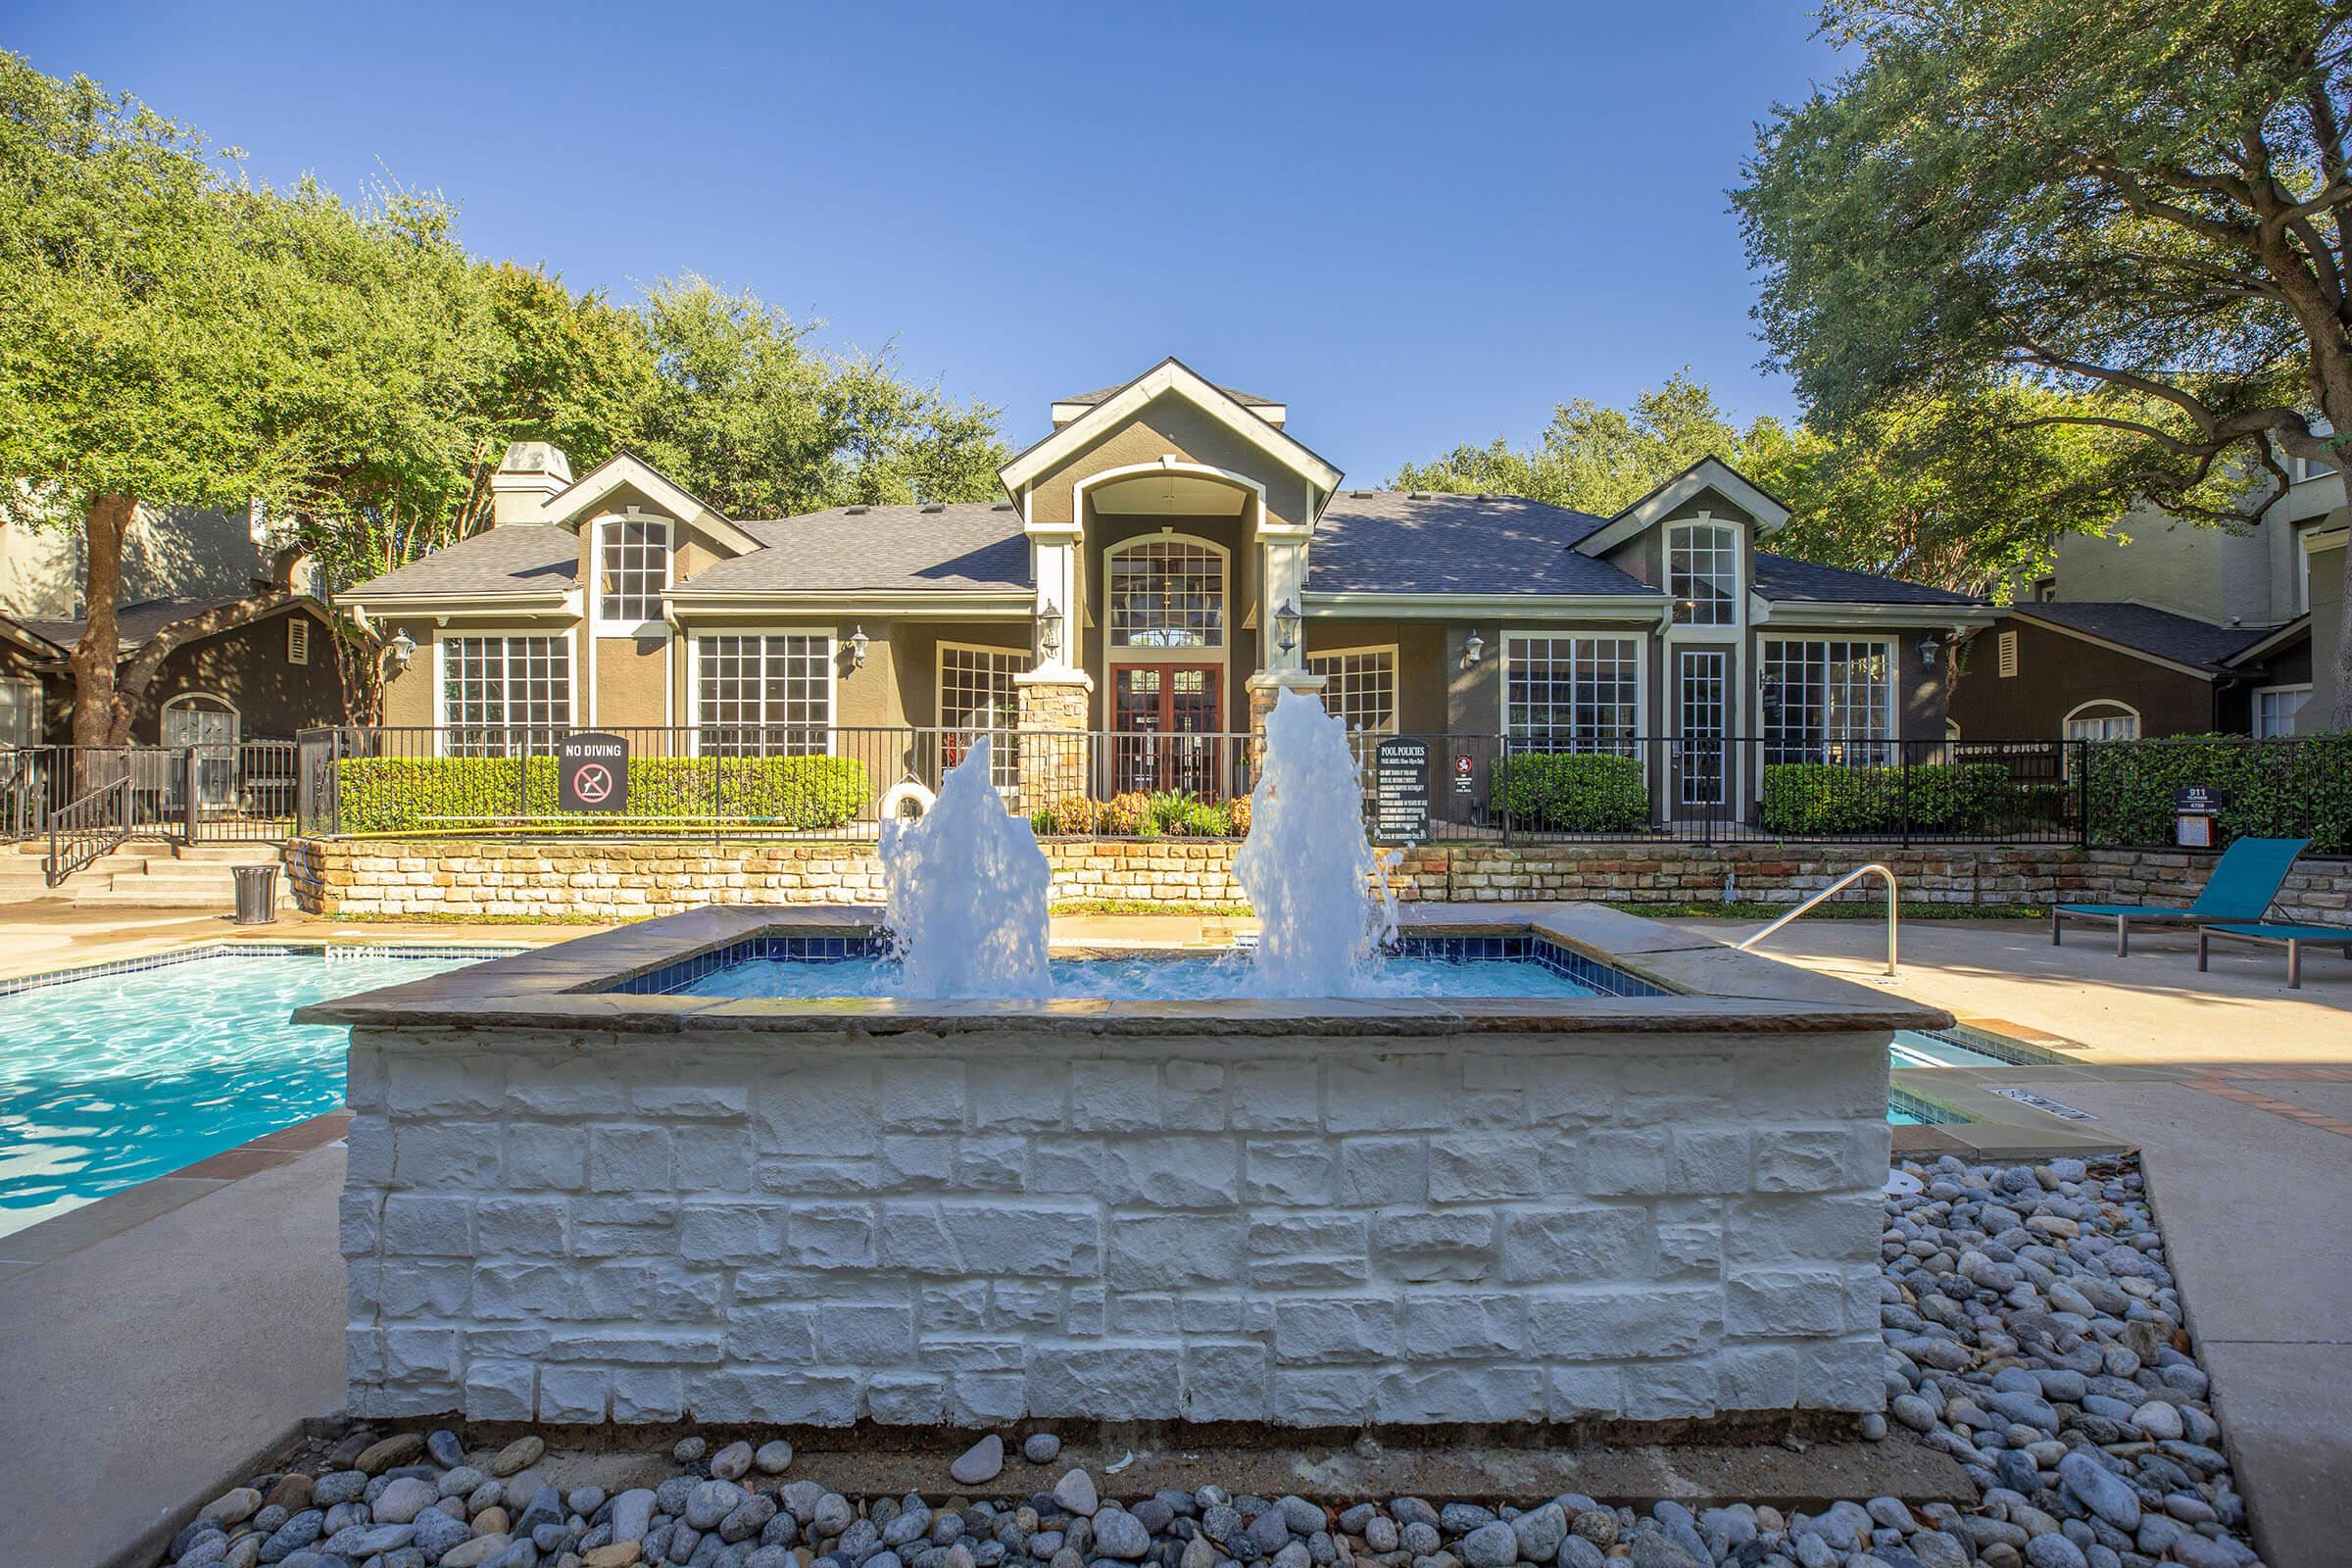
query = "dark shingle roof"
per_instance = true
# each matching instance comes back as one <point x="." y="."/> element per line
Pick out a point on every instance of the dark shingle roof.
<point x="1785" y="577"/>
<point x="1104" y="394"/>
<point x="963" y="546"/>
<point x="516" y="558"/>
<point x="2183" y="639"/>
<point x="1396" y="543"/>
<point x="134" y="623"/>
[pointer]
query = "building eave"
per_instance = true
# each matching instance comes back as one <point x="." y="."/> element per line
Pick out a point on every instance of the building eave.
<point x="1707" y="473"/>
<point x="1169" y="376"/>
<point x="1408" y="606"/>
<point x="918" y="603"/>
<point x="1807" y="613"/>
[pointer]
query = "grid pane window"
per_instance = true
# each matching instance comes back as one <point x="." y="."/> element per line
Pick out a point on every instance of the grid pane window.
<point x="976" y="697"/>
<point x="2275" y="711"/>
<point x="501" y="694"/>
<point x="1828" y="702"/>
<point x="1702" y="575"/>
<point x="764" y="696"/>
<point x="1359" y="687"/>
<point x="1701" y="680"/>
<point x="636" y="570"/>
<point x="20" y="710"/>
<point x="1574" y="693"/>
<point x="1166" y="593"/>
<point x="2109" y="726"/>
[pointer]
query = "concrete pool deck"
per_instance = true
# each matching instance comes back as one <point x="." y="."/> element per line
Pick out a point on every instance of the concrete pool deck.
<point x="2238" y="1093"/>
<point x="207" y="1331"/>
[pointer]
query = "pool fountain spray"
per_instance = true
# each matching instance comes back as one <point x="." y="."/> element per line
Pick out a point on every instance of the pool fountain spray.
<point x="966" y="889"/>
<point x="1308" y="868"/>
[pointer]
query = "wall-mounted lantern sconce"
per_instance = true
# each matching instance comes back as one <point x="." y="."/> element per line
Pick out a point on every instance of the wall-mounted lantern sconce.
<point x="1286" y="623"/>
<point x="1931" y="652"/>
<point x="1049" y="630"/>
<point x="402" y="647"/>
<point x="859" y="643"/>
<point x="1474" y="648"/>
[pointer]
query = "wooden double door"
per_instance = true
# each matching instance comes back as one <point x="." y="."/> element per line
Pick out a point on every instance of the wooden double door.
<point x="1167" y="723"/>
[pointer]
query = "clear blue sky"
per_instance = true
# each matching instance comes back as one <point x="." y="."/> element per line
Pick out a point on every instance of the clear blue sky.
<point x="1418" y="225"/>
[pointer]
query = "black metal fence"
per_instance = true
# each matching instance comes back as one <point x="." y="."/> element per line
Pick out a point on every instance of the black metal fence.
<point x="226" y="792"/>
<point x="819" y="782"/>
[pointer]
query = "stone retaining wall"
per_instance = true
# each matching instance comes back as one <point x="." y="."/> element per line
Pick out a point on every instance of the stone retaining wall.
<point x="344" y="877"/>
<point x="981" y="1227"/>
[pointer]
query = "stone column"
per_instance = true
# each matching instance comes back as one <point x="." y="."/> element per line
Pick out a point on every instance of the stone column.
<point x="1054" y="744"/>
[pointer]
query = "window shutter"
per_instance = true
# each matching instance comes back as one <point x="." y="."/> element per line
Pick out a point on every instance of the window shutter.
<point x="298" y="639"/>
<point x="2008" y="647"/>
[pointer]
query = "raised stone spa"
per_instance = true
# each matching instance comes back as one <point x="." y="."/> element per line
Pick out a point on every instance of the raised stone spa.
<point x="590" y="1184"/>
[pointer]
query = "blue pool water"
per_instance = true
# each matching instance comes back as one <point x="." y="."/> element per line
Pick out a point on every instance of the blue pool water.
<point x="1142" y="979"/>
<point x="109" y="1080"/>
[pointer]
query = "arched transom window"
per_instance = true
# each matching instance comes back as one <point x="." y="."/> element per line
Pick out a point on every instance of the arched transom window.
<point x="1166" y="593"/>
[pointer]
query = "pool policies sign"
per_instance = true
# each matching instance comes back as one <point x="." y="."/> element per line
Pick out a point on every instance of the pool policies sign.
<point x="592" y="773"/>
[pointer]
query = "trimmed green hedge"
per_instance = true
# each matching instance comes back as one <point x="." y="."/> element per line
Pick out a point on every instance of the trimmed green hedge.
<point x="1572" y="792"/>
<point x="411" y="793"/>
<point x="2288" y="788"/>
<point x="1973" y="797"/>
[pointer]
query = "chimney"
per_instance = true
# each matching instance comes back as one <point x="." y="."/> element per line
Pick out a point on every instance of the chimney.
<point x="531" y="472"/>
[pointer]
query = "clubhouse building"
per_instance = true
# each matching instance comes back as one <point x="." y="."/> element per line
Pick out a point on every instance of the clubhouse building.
<point x="1158" y="567"/>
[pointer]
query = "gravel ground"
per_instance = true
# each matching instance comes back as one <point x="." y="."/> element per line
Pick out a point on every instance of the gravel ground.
<point x="2032" y="1333"/>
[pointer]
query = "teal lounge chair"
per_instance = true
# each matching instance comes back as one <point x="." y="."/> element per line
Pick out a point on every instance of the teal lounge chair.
<point x="2294" y="937"/>
<point x="2244" y="881"/>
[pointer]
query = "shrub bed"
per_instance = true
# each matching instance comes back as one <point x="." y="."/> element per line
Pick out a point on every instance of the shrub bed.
<point x="1572" y="792"/>
<point x="1930" y="798"/>
<point x="2293" y="789"/>
<point x="1168" y="813"/>
<point x="404" y="794"/>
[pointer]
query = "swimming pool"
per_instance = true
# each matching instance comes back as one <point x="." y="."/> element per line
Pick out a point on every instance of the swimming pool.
<point x="112" y="1077"/>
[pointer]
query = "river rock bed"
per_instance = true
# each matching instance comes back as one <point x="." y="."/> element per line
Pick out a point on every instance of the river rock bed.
<point x="2032" y="1333"/>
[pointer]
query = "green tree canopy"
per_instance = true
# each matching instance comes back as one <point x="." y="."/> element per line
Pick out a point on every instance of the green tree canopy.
<point x="179" y="336"/>
<point x="1591" y="457"/>
<point x="2141" y="209"/>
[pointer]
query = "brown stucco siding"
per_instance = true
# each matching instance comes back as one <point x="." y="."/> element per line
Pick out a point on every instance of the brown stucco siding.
<point x="2057" y="674"/>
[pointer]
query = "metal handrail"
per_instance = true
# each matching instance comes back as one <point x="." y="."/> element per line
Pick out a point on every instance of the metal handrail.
<point x="1850" y="877"/>
<point x="87" y="829"/>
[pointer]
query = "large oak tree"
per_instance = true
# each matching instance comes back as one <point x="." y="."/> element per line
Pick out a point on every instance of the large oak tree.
<point x="2141" y="209"/>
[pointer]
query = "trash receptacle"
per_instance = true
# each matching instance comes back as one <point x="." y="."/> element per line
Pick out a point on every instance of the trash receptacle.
<point x="257" y="894"/>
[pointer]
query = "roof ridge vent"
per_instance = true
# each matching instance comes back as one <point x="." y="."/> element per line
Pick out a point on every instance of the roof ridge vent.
<point x="1002" y="505"/>
<point x="856" y="512"/>
<point x="1360" y="495"/>
<point x="1416" y="495"/>
<point x="935" y="505"/>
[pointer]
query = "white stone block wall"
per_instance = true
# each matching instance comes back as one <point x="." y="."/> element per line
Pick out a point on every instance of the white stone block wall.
<point x="979" y="1228"/>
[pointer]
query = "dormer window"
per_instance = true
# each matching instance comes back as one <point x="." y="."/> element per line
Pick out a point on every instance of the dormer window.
<point x="632" y="573"/>
<point x="1703" y="573"/>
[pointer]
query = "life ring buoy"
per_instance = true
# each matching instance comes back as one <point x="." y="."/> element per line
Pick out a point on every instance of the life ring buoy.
<point x="895" y="799"/>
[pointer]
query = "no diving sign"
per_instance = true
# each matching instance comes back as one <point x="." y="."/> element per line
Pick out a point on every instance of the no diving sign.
<point x="592" y="773"/>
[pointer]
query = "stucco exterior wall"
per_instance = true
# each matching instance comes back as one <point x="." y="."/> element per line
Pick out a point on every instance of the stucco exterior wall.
<point x="982" y="1228"/>
<point x="168" y="552"/>
<point x="2327" y="637"/>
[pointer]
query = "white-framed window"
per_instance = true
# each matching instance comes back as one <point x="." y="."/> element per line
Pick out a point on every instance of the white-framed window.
<point x="2005" y="646"/>
<point x="1359" y="686"/>
<point x="1570" y="692"/>
<point x="977" y="696"/>
<point x="632" y="573"/>
<point x="1828" y="700"/>
<point x="1703" y="573"/>
<point x="20" y="710"/>
<point x="298" y="638"/>
<point x="501" y="694"/>
<point x="1166" y="591"/>
<point x="2103" y="720"/>
<point x="764" y="694"/>
<point x="2276" y="708"/>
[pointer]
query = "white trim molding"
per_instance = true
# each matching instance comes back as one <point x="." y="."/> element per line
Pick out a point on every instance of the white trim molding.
<point x="567" y="505"/>
<point x="1168" y="377"/>
<point x="1707" y="473"/>
<point x="596" y="527"/>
